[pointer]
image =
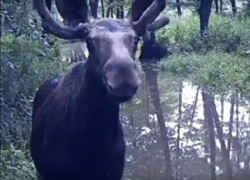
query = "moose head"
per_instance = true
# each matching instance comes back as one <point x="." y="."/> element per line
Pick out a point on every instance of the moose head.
<point x="111" y="42"/>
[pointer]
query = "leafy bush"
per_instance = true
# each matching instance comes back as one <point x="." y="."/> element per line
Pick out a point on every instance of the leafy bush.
<point x="225" y="34"/>
<point x="22" y="69"/>
<point x="15" y="165"/>
<point x="219" y="61"/>
<point x="27" y="60"/>
<point x="220" y="71"/>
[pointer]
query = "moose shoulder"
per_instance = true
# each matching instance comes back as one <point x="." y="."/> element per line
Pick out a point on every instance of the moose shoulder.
<point x="76" y="133"/>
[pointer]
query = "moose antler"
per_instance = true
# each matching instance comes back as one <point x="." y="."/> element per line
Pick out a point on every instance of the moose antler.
<point x="50" y="24"/>
<point x="151" y="13"/>
<point x="160" y="21"/>
<point x="142" y="17"/>
<point x="144" y="13"/>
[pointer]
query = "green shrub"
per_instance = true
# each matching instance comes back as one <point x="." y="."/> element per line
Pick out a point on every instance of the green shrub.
<point x="15" y="165"/>
<point x="220" y="71"/>
<point x="225" y="34"/>
<point x="25" y="64"/>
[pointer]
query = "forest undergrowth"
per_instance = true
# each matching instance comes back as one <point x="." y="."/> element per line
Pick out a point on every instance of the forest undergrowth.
<point x="221" y="63"/>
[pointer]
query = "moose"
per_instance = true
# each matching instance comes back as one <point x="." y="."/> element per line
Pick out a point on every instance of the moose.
<point x="76" y="132"/>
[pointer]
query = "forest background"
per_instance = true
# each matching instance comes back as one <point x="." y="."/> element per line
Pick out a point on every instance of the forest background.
<point x="190" y="119"/>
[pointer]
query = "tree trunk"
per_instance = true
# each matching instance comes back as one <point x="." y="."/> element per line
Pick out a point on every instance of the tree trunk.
<point x="217" y="123"/>
<point x="222" y="107"/>
<point x="110" y="9"/>
<point x="204" y="11"/>
<point x="247" y="160"/>
<point x="103" y="9"/>
<point x="179" y="128"/>
<point x="237" y="130"/>
<point x="210" y="126"/>
<point x="234" y="8"/>
<point x="193" y="114"/>
<point x="216" y="2"/>
<point x="221" y="6"/>
<point x="178" y="6"/>
<point x="120" y="9"/>
<point x="151" y="77"/>
<point x="230" y="124"/>
<point x="149" y="56"/>
<point x="94" y="8"/>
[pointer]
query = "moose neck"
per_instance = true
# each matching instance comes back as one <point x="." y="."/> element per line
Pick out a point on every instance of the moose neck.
<point x="97" y="97"/>
<point x="84" y="96"/>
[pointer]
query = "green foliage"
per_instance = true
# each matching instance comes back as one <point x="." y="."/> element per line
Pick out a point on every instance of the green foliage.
<point x="246" y="9"/>
<point x="22" y="71"/>
<point x="27" y="60"/>
<point x="15" y="165"/>
<point x="225" y="34"/>
<point x="220" y="71"/>
<point x="220" y="62"/>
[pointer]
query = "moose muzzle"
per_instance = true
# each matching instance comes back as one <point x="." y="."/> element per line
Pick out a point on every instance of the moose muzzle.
<point x="122" y="78"/>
